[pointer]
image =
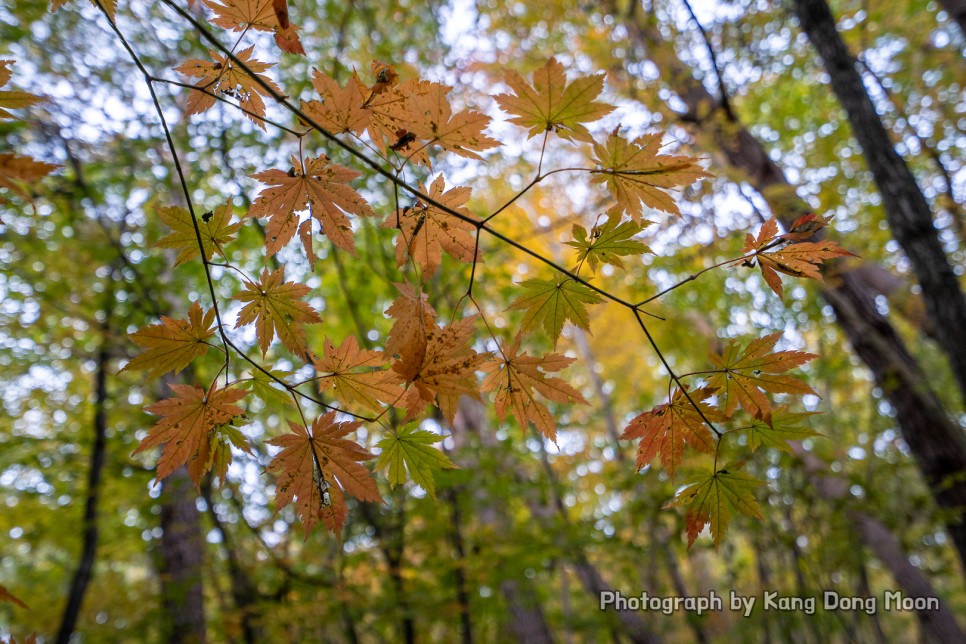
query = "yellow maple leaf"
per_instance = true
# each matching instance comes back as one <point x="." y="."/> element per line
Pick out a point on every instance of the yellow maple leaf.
<point x="215" y="227"/>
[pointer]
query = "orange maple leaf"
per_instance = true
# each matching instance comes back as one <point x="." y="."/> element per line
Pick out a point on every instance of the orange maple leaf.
<point x="222" y="76"/>
<point x="173" y="344"/>
<point x="551" y="104"/>
<point x="316" y="467"/>
<point x="666" y="429"/>
<point x="340" y="368"/>
<point x="446" y="371"/>
<point x="430" y="118"/>
<point x="16" y="169"/>
<point x="517" y="378"/>
<point x="322" y="187"/>
<point x="275" y="307"/>
<point x="188" y="427"/>
<point x="637" y="175"/>
<point x="745" y="376"/>
<point x="803" y="259"/>
<point x="426" y="231"/>
<point x="340" y="109"/>
<point x="13" y="99"/>
<point x="259" y="15"/>
<point x="414" y="318"/>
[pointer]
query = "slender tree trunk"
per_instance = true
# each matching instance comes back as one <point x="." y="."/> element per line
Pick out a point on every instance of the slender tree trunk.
<point x="527" y="620"/>
<point x="940" y="625"/>
<point x="906" y="208"/>
<point x="85" y="568"/>
<point x="936" y="443"/>
<point x="462" y="592"/>
<point x="182" y="560"/>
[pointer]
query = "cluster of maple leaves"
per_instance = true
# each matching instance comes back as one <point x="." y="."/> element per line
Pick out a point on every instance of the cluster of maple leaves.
<point x="425" y="361"/>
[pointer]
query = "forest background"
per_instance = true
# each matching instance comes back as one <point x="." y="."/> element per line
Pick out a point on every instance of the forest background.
<point x="856" y="113"/>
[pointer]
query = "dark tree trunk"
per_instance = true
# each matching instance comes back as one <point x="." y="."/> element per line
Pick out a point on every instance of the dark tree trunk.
<point x="85" y="568"/>
<point x="182" y="558"/>
<point x="906" y="208"/>
<point x="940" y="625"/>
<point x="936" y="443"/>
<point x="957" y="12"/>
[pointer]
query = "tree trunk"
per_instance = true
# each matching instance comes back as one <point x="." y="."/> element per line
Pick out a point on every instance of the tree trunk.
<point x="527" y="620"/>
<point x="936" y="443"/>
<point x="906" y="208"/>
<point x="940" y="625"/>
<point x="182" y="558"/>
<point x="957" y="12"/>
<point x="85" y="568"/>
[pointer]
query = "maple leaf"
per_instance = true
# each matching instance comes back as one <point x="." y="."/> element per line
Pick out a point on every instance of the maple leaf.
<point x="7" y="596"/>
<point x="805" y="226"/>
<point x="798" y="260"/>
<point x="637" y="175"/>
<point x="340" y="109"/>
<point x="264" y="387"/>
<point x="426" y="231"/>
<point x="517" y="378"/>
<point x="339" y="367"/>
<point x="430" y="118"/>
<point x="553" y="104"/>
<point x="666" y="429"/>
<point x="224" y="77"/>
<point x="714" y="498"/>
<point x="553" y="302"/>
<point x="173" y="344"/>
<point x="446" y="371"/>
<point x="276" y="308"/>
<point x="316" y="468"/>
<point x="220" y="441"/>
<point x="110" y="6"/>
<point x="607" y="242"/>
<point x="185" y="427"/>
<point x="783" y="428"/>
<point x="215" y="227"/>
<point x="15" y="168"/>
<point x="321" y="186"/>
<point x="743" y="377"/>
<point x="260" y="15"/>
<point x="415" y="317"/>
<point x="410" y="448"/>
<point x="13" y="99"/>
<point x="388" y="106"/>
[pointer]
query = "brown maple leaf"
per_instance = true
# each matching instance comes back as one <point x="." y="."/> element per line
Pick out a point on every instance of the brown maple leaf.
<point x="110" y="6"/>
<point x="316" y="467"/>
<point x="446" y="372"/>
<point x="414" y="318"/>
<point x="551" y="104"/>
<point x="16" y="169"/>
<point x="340" y="109"/>
<point x="340" y="366"/>
<point x="258" y="15"/>
<point x="223" y="76"/>
<point x="666" y="429"/>
<point x="803" y="259"/>
<point x="430" y="118"/>
<point x="320" y="186"/>
<point x="637" y="175"/>
<point x="13" y="99"/>
<point x="517" y="378"/>
<point x="173" y="344"/>
<point x="425" y="230"/>
<point x="187" y="423"/>
<point x="745" y="376"/>
<point x="275" y="307"/>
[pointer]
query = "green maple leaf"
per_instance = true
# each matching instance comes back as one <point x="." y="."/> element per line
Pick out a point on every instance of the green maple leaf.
<point x="553" y="104"/>
<point x="553" y="302"/>
<point x="714" y="498"/>
<point x="608" y="242"/>
<point x="410" y="448"/>
<point x="215" y="227"/>
<point x="784" y="427"/>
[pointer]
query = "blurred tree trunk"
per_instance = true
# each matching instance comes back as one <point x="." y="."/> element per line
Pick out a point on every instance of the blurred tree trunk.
<point x="182" y="558"/>
<point x="906" y="207"/>
<point x="937" y="444"/>
<point x="957" y="12"/>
